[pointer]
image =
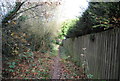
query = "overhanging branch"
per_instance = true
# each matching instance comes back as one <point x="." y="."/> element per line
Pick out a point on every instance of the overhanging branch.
<point x="12" y="14"/>
<point x="29" y="8"/>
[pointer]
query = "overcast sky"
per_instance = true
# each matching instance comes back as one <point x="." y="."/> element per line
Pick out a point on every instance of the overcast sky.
<point x="73" y="8"/>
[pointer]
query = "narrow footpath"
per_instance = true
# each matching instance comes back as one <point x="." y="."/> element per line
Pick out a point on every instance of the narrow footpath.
<point x="64" y="69"/>
<point x="56" y="68"/>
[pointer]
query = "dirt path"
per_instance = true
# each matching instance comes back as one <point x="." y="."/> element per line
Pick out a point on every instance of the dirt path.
<point x="56" y="68"/>
<point x="64" y="69"/>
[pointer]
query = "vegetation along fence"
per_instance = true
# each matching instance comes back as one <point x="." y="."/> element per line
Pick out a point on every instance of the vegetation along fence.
<point x="99" y="53"/>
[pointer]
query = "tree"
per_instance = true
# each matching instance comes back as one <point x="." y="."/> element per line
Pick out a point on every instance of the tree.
<point x="98" y="17"/>
<point x="28" y="27"/>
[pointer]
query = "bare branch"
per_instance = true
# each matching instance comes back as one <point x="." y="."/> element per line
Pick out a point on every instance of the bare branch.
<point x="29" y="8"/>
<point x="12" y="14"/>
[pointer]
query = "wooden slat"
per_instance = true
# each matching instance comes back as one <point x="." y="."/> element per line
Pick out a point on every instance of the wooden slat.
<point x="102" y="54"/>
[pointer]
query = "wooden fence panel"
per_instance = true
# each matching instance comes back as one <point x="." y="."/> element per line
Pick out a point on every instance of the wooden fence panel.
<point x="102" y="53"/>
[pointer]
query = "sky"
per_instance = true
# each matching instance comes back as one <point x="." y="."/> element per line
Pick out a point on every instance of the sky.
<point x="5" y="7"/>
<point x="73" y="8"/>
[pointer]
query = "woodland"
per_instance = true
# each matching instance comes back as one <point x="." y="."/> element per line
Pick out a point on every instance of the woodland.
<point x="32" y="34"/>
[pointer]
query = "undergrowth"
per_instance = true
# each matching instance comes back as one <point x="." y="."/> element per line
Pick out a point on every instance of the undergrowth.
<point x="28" y="65"/>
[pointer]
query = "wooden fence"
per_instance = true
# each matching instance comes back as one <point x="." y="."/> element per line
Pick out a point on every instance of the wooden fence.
<point x="101" y="52"/>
